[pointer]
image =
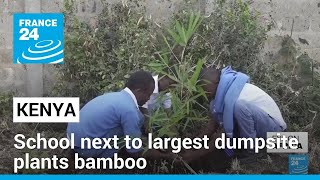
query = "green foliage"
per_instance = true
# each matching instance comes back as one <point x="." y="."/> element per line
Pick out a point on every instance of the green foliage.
<point x="184" y="96"/>
<point x="294" y="84"/>
<point x="184" y="34"/>
<point x="230" y="35"/>
<point x="288" y="47"/>
<point x="186" y="109"/>
<point x="98" y="60"/>
<point x="297" y="106"/>
<point x="6" y="105"/>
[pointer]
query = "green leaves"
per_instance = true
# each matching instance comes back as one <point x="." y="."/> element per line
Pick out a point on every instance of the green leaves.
<point x="5" y="103"/>
<point x="100" y="60"/>
<point x="184" y="95"/>
<point x="182" y="34"/>
<point x="195" y="75"/>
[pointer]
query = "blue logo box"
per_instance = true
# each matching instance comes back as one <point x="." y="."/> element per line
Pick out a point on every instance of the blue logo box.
<point x="298" y="164"/>
<point x="38" y="38"/>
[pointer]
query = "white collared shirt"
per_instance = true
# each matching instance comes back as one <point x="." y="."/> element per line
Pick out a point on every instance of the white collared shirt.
<point x="153" y="101"/>
<point x="262" y="100"/>
<point x="132" y="96"/>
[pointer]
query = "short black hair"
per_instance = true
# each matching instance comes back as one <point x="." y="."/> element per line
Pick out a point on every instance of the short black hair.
<point x="209" y="73"/>
<point x="140" y="80"/>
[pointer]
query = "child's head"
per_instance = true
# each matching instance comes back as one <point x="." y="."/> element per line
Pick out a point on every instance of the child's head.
<point x="209" y="79"/>
<point x="141" y="83"/>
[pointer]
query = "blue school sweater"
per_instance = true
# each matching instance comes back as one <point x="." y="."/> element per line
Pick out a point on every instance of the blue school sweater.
<point x="107" y="115"/>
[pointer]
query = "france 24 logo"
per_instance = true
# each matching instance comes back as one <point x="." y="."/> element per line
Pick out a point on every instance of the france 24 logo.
<point x="298" y="164"/>
<point x="38" y="38"/>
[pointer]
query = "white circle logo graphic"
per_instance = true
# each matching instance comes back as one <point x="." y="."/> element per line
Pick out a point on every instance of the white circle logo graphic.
<point x="43" y="52"/>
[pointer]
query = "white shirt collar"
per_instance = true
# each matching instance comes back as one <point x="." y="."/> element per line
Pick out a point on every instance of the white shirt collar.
<point x="132" y="96"/>
<point x="156" y="84"/>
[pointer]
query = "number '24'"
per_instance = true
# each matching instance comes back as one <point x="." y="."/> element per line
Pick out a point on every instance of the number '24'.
<point x="26" y="35"/>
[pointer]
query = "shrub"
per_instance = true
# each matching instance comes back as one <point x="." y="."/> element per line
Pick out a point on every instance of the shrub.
<point x="6" y="105"/>
<point x="231" y="36"/>
<point x="99" y="59"/>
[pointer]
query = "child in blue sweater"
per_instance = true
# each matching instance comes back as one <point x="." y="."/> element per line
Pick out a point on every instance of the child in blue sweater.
<point x="115" y="113"/>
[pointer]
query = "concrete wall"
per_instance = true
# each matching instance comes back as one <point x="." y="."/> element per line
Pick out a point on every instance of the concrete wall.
<point x="306" y="26"/>
<point x="38" y="80"/>
<point x="12" y="77"/>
